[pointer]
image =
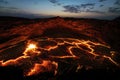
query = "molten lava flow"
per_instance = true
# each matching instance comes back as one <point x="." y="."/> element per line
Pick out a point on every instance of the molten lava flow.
<point x="31" y="46"/>
<point x="35" y="70"/>
<point x="39" y="47"/>
<point x="31" y="49"/>
<point x="46" y="66"/>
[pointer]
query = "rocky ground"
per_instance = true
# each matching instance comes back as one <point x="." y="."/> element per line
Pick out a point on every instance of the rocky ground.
<point x="63" y="48"/>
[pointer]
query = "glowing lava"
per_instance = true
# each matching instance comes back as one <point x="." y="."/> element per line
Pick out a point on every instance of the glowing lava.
<point x="42" y="54"/>
<point x="32" y="46"/>
<point x="47" y="65"/>
<point x="31" y="49"/>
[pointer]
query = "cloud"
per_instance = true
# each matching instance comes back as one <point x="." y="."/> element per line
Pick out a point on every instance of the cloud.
<point x="11" y="11"/>
<point x="6" y="11"/>
<point x="18" y="12"/>
<point x="117" y="2"/>
<point x="95" y="11"/>
<point x="101" y="5"/>
<point x="80" y="8"/>
<point x="114" y="10"/>
<point x="3" y="7"/>
<point x="71" y="8"/>
<point x="102" y="0"/>
<point x="3" y="1"/>
<point x="56" y="2"/>
<point x="53" y="1"/>
<point x="88" y="5"/>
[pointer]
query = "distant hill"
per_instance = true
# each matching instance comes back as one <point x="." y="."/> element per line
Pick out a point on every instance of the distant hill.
<point x="118" y="18"/>
<point x="12" y="18"/>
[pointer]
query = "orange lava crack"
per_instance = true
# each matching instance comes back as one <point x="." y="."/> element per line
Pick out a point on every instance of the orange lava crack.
<point x="33" y="50"/>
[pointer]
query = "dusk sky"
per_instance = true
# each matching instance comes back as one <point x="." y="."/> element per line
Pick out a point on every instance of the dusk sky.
<point x="101" y="9"/>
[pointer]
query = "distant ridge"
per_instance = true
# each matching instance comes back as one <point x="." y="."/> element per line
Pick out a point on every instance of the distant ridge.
<point x="56" y="17"/>
<point x="118" y="18"/>
<point x="12" y="18"/>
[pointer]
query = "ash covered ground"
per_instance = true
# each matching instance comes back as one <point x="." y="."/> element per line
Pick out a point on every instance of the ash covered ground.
<point x="59" y="48"/>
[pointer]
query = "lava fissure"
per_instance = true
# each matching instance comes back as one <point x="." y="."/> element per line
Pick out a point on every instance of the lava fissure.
<point x="35" y="49"/>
